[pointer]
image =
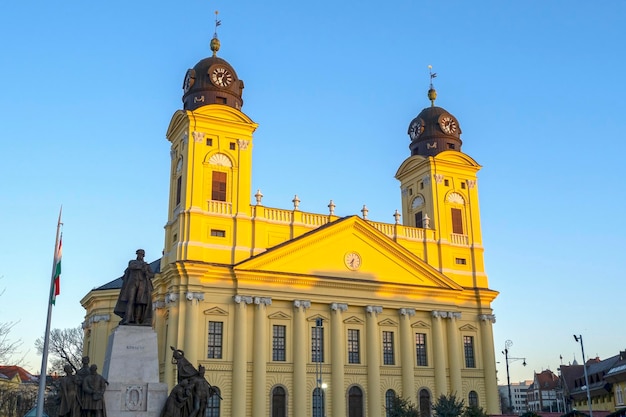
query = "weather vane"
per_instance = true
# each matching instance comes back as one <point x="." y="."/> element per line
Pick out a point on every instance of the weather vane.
<point x="432" y="93"/>
<point x="217" y="23"/>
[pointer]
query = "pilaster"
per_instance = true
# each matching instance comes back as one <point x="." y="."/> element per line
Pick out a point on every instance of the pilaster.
<point x="439" y="358"/>
<point x="489" y="363"/>
<point x="454" y="355"/>
<point x="239" y="356"/>
<point x="259" y="360"/>
<point x="374" y="404"/>
<point x="299" y="357"/>
<point x="337" y="380"/>
<point x="407" y="354"/>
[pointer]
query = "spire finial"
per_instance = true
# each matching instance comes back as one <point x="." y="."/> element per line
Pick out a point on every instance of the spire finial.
<point x="215" y="42"/>
<point x="432" y="93"/>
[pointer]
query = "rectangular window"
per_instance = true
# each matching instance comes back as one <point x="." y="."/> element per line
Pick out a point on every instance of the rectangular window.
<point x="317" y="344"/>
<point x="216" y="333"/>
<point x="219" y="186"/>
<point x="179" y="184"/>
<point x="419" y="220"/>
<point x="220" y="100"/>
<point x="232" y="146"/>
<point x="446" y="183"/>
<point x="279" y="344"/>
<point x="462" y="185"/>
<point x="420" y="349"/>
<point x="354" y="346"/>
<point x="468" y="347"/>
<point x="457" y="221"/>
<point x="421" y="185"/>
<point x="218" y="233"/>
<point x="388" y="358"/>
<point x="461" y="261"/>
<point x="209" y="141"/>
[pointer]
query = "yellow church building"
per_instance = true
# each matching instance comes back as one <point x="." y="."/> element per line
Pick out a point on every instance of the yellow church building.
<point x="312" y="314"/>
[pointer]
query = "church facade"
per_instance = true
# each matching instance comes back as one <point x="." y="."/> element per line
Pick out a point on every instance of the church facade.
<point x="311" y="314"/>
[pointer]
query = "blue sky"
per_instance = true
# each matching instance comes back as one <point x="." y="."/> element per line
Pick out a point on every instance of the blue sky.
<point x="88" y="89"/>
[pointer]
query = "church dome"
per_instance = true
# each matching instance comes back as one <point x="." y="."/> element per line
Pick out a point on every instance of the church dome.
<point x="434" y="130"/>
<point x="212" y="81"/>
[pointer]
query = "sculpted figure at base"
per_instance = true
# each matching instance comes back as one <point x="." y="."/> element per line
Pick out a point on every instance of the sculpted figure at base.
<point x="190" y="397"/>
<point x="94" y="386"/>
<point x="80" y="376"/>
<point x="134" y="304"/>
<point x="70" y="403"/>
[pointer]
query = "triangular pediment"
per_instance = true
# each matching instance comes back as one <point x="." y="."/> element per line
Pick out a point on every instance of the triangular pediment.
<point x="279" y="315"/>
<point x="388" y="322"/>
<point x="349" y="253"/>
<point x="353" y="320"/>
<point x="468" y="328"/>
<point x="317" y="316"/>
<point x="420" y="325"/>
<point x="215" y="311"/>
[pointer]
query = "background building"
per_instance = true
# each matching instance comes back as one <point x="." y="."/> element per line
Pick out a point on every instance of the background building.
<point x="518" y="396"/>
<point x="311" y="314"/>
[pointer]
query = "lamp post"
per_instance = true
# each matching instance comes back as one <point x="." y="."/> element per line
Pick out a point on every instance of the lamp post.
<point x="579" y="338"/>
<point x="508" y="359"/>
<point x="318" y="365"/>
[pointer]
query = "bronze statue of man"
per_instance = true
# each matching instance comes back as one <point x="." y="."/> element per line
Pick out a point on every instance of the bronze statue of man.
<point x="94" y="386"/>
<point x="70" y="404"/>
<point x="134" y="304"/>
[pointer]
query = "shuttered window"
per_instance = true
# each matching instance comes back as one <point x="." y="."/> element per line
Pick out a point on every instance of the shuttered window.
<point x="457" y="221"/>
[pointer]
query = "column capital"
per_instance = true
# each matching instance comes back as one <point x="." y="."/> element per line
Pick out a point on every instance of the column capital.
<point x="158" y="304"/>
<point x="242" y="299"/>
<point x="171" y="298"/>
<point x="409" y="312"/>
<point x="198" y="296"/>
<point x="304" y="304"/>
<point x="374" y="309"/>
<point x="341" y="307"/>
<point x="446" y="314"/>
<point x="487" y="317"/>
<point x="267" y="301"/>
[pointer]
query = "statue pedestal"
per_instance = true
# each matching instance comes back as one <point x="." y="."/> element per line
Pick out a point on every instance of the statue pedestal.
<point x="131" y="366"/>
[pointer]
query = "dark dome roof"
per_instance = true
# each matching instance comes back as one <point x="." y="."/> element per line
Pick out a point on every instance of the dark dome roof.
<point x="434" y="130"/>
<point x="212" y="81"/>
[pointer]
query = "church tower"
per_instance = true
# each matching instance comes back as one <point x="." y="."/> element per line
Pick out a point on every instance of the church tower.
<point x="211" y="168"/>
<point x="439" y="192"/>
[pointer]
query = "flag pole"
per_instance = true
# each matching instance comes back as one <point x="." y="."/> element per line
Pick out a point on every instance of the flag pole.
<point x="44" y="356"/>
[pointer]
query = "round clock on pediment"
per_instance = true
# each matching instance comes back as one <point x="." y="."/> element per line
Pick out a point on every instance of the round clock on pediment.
<point x="352" y="260"/>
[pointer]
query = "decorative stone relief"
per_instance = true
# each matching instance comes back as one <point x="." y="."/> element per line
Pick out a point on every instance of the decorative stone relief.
<point x="198" y="99"/>
<point x="304" y="304"/>
<point x="438" y="178"/>
<point x="455" y="198"/>
<point x="243" y="144"/>
<point x="198" y="296"/>
<point x="446" y="314"/>
<point x="426" y="180"/>
<point x="409" y="312"/>
<point x="158" y="304"/>
<point x="220" y="159"/>
<point x="374" y="309"/>
<point x="263" y="300"/>
<point x="242" y="299"/>
<point x="134" y="398"/>
<point x="198" y="137"/>
<point x="471" y="183"/>
<point x="487" y="317"/>
<point x="171" y="298"/>
<point x="339" y="307"/>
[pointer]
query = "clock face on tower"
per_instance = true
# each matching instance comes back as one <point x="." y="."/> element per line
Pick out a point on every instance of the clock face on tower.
<point x="190" y="79"/>
<point x="416" y="129"/>
<point x="220" y="76"/>
<point x="448" y="124"/>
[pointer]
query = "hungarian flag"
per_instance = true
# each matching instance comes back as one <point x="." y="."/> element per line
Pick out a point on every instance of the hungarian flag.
<point x="57" y="271"/>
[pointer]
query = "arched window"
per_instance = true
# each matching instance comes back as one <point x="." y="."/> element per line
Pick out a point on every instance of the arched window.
<point x="424" y="397"/>
<point x="473" y="399"/>
<point x="213" y="403"/>
<point x="279" y="402"/>
<point x="355" y="402"/>
<point x="390" y="395"/>
<point x="318" y="402"/>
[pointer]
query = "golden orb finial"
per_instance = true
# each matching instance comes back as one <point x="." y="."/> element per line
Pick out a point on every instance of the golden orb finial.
<point x="432" y="93"/>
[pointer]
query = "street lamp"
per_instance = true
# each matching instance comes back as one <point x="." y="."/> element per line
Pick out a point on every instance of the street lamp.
<point x="508" y="359"/>
<point x="579" y="338"/>
<point x="318" y="364"/>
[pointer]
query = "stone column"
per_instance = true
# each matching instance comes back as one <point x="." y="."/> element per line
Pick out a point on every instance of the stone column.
<point x="299" y="343"/>
<point x="191" y="326"/>
<point x="374" y="403"/>
<point x="439" y="356"/>
<point x="240" y="364"/>
<point x="454" y="355"/>
<point x="489" y="361"/>
<point x="337" y="359"/>
<point x="171" y="301"/>
<point x="259" y="359"/>
<point x="407" y="354"/>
